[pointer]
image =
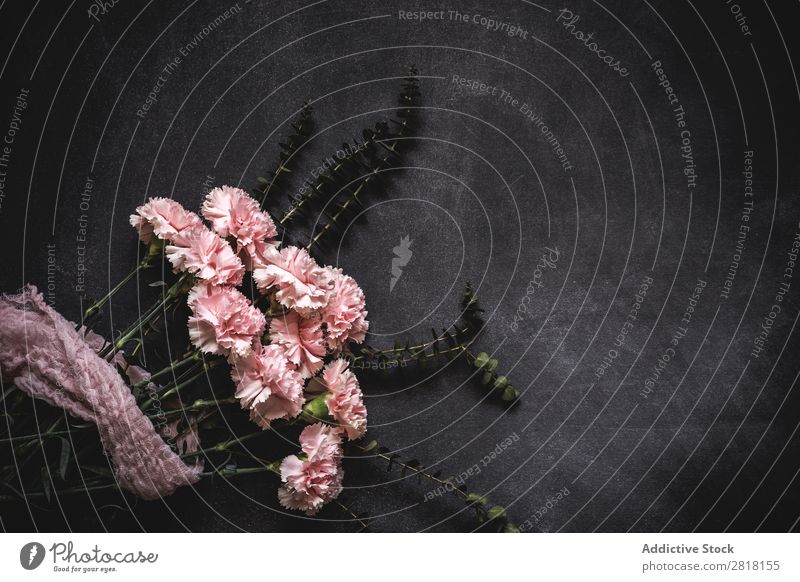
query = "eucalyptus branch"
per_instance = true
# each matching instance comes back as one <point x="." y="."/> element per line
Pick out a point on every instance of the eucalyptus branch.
<point x="382" y="151"/>
<point x="450" y="343"/>
<point x="484" y="510"/>
<point x="225" y="472"/>
<point x="444" y="345"/>
<point x="323" y="186"/>
<point x="499" y="383"/>
<point x="274" y="180"/>
<point x="354" y="515"/>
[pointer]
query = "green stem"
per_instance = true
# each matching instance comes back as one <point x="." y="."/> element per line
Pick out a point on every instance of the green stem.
<point x="167" y="298"/>
<point x="207" y="366"/>
<point x="416" y="357"/>
<point x="71" y="491"/>
<point x="135" y="328"/>
<point x="274" y="467"/>
<point x="93" y="309"/>
<point x="478" y="502"/>
<point x="354" y="515"/>
<point x="221" y="447"/>
<point x="190" y="356"/>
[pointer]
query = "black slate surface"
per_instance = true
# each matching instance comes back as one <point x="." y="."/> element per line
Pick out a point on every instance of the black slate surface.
<point x="711" y="446"/>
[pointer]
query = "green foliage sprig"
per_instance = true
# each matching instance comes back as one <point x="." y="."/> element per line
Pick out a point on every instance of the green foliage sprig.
<point x="274" y="183"/>
<point x="340" y="188"/>
<point x="498" y="383"/>
<point x="489" y="515"/>
<point x="451" y="343"/>
<point x="447" y="344"/>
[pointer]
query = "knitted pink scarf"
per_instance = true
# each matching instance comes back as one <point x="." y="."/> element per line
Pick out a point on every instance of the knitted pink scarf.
<point x="44" y="356"/>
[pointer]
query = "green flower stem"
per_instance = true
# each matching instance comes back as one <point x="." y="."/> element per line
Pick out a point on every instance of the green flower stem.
<point x="172" y="293"/>
<point x="95" y="308"/>
<point x="25" y="453"/>
<point x="11" y="389"/>
<point x="222" y="447"/>
<point x="298" y="205"/>
<point x="273" y="467"/>
<point x="199" y="405"/>
<point x="352" y="199"/>
<point x="136" y="328"/>
<point x="38" y="437"/>
<point x="190" y="356"/>
<point x="289" y="150"/>
<point x="354" y="515"/>
<point x="158" y="392"/>
<point x="95" y="486"/>
<point x="175" y="390"/>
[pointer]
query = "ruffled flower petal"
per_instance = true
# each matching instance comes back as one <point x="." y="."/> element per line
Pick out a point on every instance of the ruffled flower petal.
<point x="345" y="401"/>
<point x="302" y="341"/>
<point x="309" y="484"/>
<point x="223" y="321"/>
<point x="345" y="316"/>
<point x="163" y="218"/>
<point x="268" y="385"/>
<point x="300" y="282"/>
<point x="203" y="253"/>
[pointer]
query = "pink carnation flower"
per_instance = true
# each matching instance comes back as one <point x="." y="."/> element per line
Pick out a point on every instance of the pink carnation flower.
<point x="345" y="401"/>
<point x="259" y="254"/>
<point x="223" y="320"/>
<point x="302" y="284"/>
<point x="200" y="251"/>
<point x="344" y="316"/>
<point x="268" y="385"/>
<point x="309" y="484"/>
<point x="232" y="212"/>
<point x="162" y="217"/>
<point x="302" y="341"/>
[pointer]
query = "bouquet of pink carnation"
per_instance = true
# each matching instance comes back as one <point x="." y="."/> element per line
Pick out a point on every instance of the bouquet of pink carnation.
<point x="291" y="349"/>
<point x="276" y="357"/>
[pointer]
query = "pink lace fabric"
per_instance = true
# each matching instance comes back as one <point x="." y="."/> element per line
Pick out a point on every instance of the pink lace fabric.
<point x="43" y="354"/>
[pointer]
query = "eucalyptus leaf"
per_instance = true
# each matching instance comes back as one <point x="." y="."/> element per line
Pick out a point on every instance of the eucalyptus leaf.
<point x="496" y="512"/>
<point x="501" y="382"/>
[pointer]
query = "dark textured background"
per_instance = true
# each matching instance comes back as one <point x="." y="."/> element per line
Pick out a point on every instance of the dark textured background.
<point x="713" y="448"/>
